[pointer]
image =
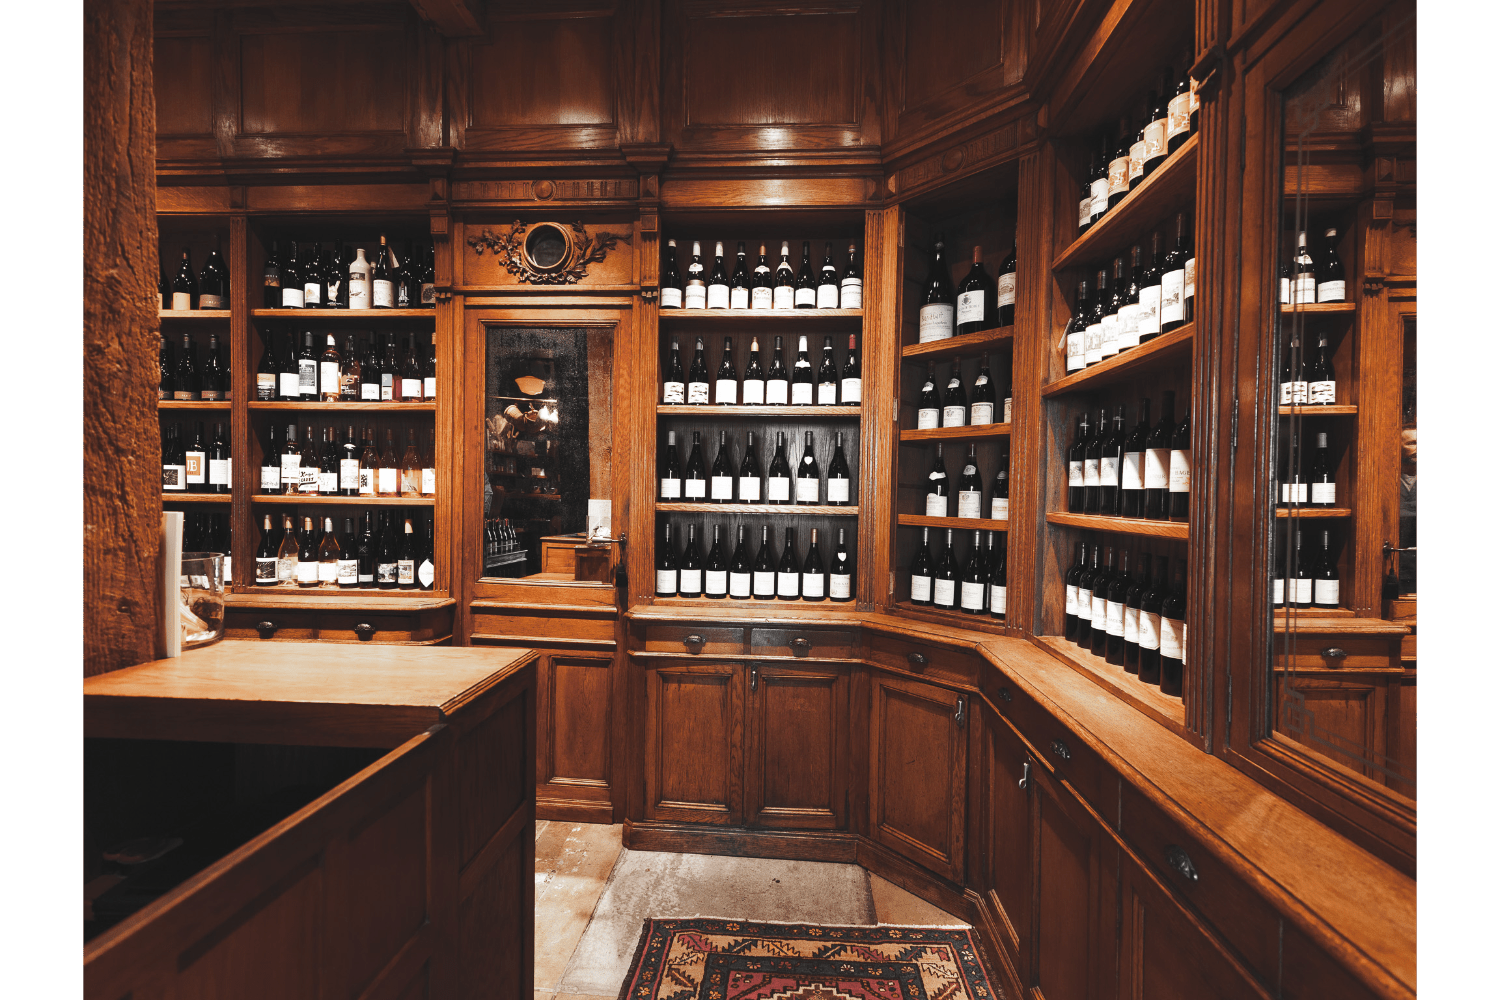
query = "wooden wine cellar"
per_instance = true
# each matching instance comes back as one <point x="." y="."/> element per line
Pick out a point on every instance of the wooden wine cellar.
<point x="1254" y="836"/>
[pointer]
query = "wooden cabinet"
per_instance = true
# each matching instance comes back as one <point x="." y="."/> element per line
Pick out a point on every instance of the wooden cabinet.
<point x="575" y="753"/>
<point x="797" y="747"/>
<point x="695" y="743"/>
<point x="1002" y="856"/>
<point x="918" y="772"/>
<point x="414" y="621"/>
<point x="1074" y="897"/>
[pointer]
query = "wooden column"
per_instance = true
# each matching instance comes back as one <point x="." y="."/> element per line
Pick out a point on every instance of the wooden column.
<point x="122" y="440"/>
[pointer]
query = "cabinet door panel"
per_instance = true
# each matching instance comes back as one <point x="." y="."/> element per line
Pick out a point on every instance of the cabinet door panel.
<point x="798" y="748"/>
<point x="695" y="742"/>
<point x="918" y="760"/>
<point x="1006" y="852"/>
<point x="574" y="753"/>
<point x="1074" y="897"/>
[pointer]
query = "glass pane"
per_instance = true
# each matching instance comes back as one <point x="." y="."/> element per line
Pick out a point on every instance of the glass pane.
<point x="549" y="403"/>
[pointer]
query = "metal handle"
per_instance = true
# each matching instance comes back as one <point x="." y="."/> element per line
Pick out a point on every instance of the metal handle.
<point x="1179" y="861"/>
<point x="1025" y="781"/>
<point x="917" y="660"/>
<point x="800" y="646"/>
<point x="693" y="640"/>
<point x="959" y="714"/>
<point x="1004" y="694"/>
<point x="754" y="678"/>
<point x="364" y="630"/>
<point x="1061" y="749"/>
<point x="265" y="628"/>
<point x="1334" y="653"/>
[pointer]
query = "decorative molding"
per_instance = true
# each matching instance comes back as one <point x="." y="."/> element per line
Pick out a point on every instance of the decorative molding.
<point x="581" y="251"/>
<point x="969" y="155"/>
<point x="547" y="190"/>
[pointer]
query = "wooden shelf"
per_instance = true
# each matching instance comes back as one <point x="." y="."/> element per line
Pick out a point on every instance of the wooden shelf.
<point x="1319" y="307"/>
<point x="956" y="619"/>
<point x="1319" y="411"/>
<point x="968" y="346"/>
<point x="725" y="410"/>
<point x="969" y="432"/>
<point x="282" y="498"/>
<point x="1128" y="687"/>
<point x="363" y="315"/>
<point x="816" y="510"/>
<point x="966" y="523"/>
<point x="342" y="598"/>
<point x="681" y="317"/>
<point x="192" y="404"/>
<point x="1157" y="353"/>
<point x="1120" y="525"/>
<point x="277" y="404"/>
<point x="741" y="603"/>
<point x="192" y="313"/>
<point x="175" y="497"/>
<point x="1307" y="511"/>
<point x="1171" y="184"/>
<point x="524" y="496"/>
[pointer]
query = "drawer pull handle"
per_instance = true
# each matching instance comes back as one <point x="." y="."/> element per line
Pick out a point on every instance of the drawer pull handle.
<point x="800" y="646"/>
<point x="691" y="641"/>
<point x="1025" y="781"/>
<point x="1061" y="750"/>
<point x="754" y="678"/>
<point x="364" y="630"/>
<point x="1004" y="693"/>
<point x="959" y="715"/>
<point x="265" y="629"/>
<point x="1334" y="653"/>
<point x="1179" y="861"/>
<point x="917" y="660"/>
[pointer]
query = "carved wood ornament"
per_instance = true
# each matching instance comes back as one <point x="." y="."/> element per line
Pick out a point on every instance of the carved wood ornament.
<point x="551" y="255"/>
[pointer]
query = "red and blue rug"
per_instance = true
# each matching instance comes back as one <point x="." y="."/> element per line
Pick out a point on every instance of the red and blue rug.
<point x="714" y="959"/>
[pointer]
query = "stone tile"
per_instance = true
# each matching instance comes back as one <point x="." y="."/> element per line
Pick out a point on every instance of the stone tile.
<point x="573" y="862"/>
<point x="894" y="905"/>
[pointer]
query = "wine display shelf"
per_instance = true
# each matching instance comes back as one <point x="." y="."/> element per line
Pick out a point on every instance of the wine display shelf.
<point x="197" y="497"/>
<point x="739" y="410"/>
<point x="957" y="619"/>
<point x="1316" y="621"/>
<point x="970" y="345"/>
<point x="337" y="598"/>
<point x="192" y="404"/>
<point x="363" y="315"/>
<point x="354" y="407"/>
<point x="528" y="496"/>
<point x="792" y="317"/>
<point x="1148" y="698"/>
<point x="965" y="523"/>
<point x="1318" y="512"/>
<point x="969" y="432"/>
<point x="1170" y="186"/>
<point x="814" y="510"/>
<point x="283" y="499"/>
<point x="1159" y="352"/>
<point x="193" y="313"/>
<point x="1120" y="525"/>
<point x="1339" y="410"/>
<point x="1319" y="307"/>
<point x="778" y="604"/>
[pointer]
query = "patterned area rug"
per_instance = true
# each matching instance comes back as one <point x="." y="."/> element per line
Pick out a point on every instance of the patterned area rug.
<point x="710" y="959"/>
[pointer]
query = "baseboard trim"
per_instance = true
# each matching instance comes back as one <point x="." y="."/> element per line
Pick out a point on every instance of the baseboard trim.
<point x="740" y="842"/>
<point x="993" y="947"/>
<point x="912" y="877"/>
<point x="574" y="811"/>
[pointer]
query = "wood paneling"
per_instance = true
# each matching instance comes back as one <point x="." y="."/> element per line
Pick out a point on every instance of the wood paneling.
<point x="574" y="755"/>
<point x="1003" y="854"/>
<point x="544" y="69"/>
<point x="383" y="914"/>
<point x="918" y="773"/>
<point x="1074" y="897"/>
<point x="346" y="79"/>
<point x="695" y="737"/>
<point x="797" y="748"/>
<point x="269" y="954"/>
<point x="494" y="950"/>
<point x="184" y="85"/>
<point x="489" y="770"/>
<point x="776" y="68"/>
<point x="948" y="42"/>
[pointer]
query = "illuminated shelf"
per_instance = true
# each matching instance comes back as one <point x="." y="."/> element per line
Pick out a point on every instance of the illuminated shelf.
<point x="969" y="432"/>
<point x="818" y="510"/>
<point x="192" y="404"/>
<point x="1121" y="525"/>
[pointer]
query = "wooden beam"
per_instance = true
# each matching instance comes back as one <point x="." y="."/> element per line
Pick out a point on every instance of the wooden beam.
<point x="453" y="18"/>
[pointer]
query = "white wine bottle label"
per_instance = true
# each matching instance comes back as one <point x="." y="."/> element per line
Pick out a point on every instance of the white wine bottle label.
<point x="671" y="298"/>
<point x="196" y="466"/>
<point x="429" y="482"/>
<point x="348" y="572"/>
<point x="691" y="581"/>
<point x="411" y="388"/>
<point x="1084" y="607"/>
<point x="1006" y="295"/>
<point x="783" y="297"/>
<point x="1179" y="472"/>
<point x="1286" y="394"/>
<point x="776" y="392"/>
<point x="307" y="378"/>
<point x="1190" y="278"/>
<point x="384" y="293"/>
<point x="851" y="389"/>
<point x="672" y="392"/>
<point x="852" y="294"/>
<point x="1130" y="471"/>
<point x="935" y="322"/>
<point x="721" y="488"/>
<point x="1137" y="159"/>
<point x="328" y="482"/>
<point x="1321" y="392"/>
<point x="1158" y="464"/>
<point x="1093" y="344"/>
<point x="697" y="393"/>
<point x="666" y="582"/>
<point x="1149" y="311"/>
<point x="370" y="391"/>
<point x="426" y="572"/>
<point x="807" y="490"/>
<point x="1075" y="351"/>
<point x="953" y="416"/>
<point x="724" y="391"/>
<point x="1109" y="339"/>
<point x="1129" y="333"/>
<point x="385" y="572"/>
<point x="265" y="385"/>
<point x="806" y="297"/>
<point x="971" y="595"/>
<point x="1075" y="473"/>
<point x="1324" y="493"/>
<point x="749" y="489"/>
<point x="387" y="481"/>
<point x="265" y="569"/>
<point x="1091" y="472"/>
<point x="695" y="297"/>
<point x="838" y="490"/>
<point x="1299" y="392"/>
<point x="1119" y="175"/>
<point x="694" y="489"/>
<point x="1304" y="289"/>
<point x="968" y="503"/>
<point x="174" y="477"/>
<point x="999" y="508"/>
<point x="828" y="296"/>
<point x="765" y="583"/>
<point x="970" y="307"/>
<point x="291" y="469"/>
<point x="307" y="573"/>
<point x="1302" y="591"/>
<point x="218" y="472"/>
<point x="739" y="298"/>
<point x="812" y="585"/>
<point x="1171" y="639"/>
<point x="937" y="506"/>
<point x="1299" y="492"/>
<point x="312" y="293"/>
<point x="921" y="588"/>
<point x="997" y="599"/>
<point x="359" y="290"/>
<point x="1150" y="623"/>
<point x="1114" y="618"/>
<point x="981" y="413"/>
<point x="270" y="479"/>
<point x="1005" y="417"/>
<point x="943" y="592"/>
<point x="1326" y="592"/>
<point x="754" y="392"/>
<point x="366" y="482"/>
<point x="778" y="488"/>
<point x="786" y="584"/>
<point x="1286" y="291"/>
<point x="716" y="582"/>
<point x="1085" y="211"/>
<point x="739" y="584"/>
<point x="718" y="296"/>
<point x="1072" y="605"/>
<point x="1156" y="137"/>
<point x="1278" y="592"/>
<point x="1100" y="191"/>
<point x="1132" y="629"/>
<point x="671" y="489"/>
<point x="1171" y="297"/>
<point x="802" y="394"/>
<point x="292" y="298"/>
<point x="828" y="393"/>
<point x="761" y="298"/>
<point x="840" y="586"/>
<point x="1179" y="110"/>
<point x="1109" y="471"/>
<point x="1331" y="291"/>
<point x="181" y="301"/>
<point x="328" y="377"/>
<point x="1097" y="610"/>
<point x="928" y="419"/>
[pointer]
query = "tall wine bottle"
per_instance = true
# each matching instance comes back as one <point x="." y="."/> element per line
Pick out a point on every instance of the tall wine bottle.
<point x="1114" y="612"/>
<point x="666" y="564"/>
<point x="937" y="486"/>
<point x="1099" y="609"/>
<point x="788" y="573"/>
<point x="739" y="568"/>
<point x="764" y="573"/>
<point x="841" y="573"/>
<point x="690" y="566"/>
<point x="975" y="581"/>
<point x="1159" y="462"/>
<point x="1174" y="633"/>
<point x="779" y="476"/>
<point x="935" y="318"/>
<point x="921" y="573"/>
<point x="975" y="309"/>
<point x="945" y="576"/>
<point x="814" y="580"/>
<point x="671" y="280"/>
<point x="721" y="476"/>
<point x="1149" y="670"/>
<point x="1070" y="589"/>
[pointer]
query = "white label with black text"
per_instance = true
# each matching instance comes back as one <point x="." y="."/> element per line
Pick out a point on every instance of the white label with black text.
<point x="943" y="592"/>
<point x="1179" y="472"/>
<point x="971" y="596"/>
<point x="1326" y="592"/>
<point x="1322" y="393"/>
<point x="928" y="419"/>
<point x="1158" y="464"/>
<point x="1130" y="471"/>
<point x="786" y="584"/>
<point x="981" y="413"/>
<point x="776" y="392"/>
<point x="739" y="584"/>
<point x="690" y="581"/>
<point x="838" y="490"/>
<point x="1324" y="494"/>
<point x="999" y="508"/>
<point x="778" y="488"/>
<point x="765" y="583"/>
<point x="694" y="489"/>
<point x="1072" y="605"/>
<point x="749" y="489"/>
<point x="935" y="322"/>
<point x="671" y="489"/>
<point x="840" y="586"/>
<point x="1006" y="295"/>
<point x="812" y="584"/>
<point x="1150" y="623"/>
<point x="672" y="392"/>
<point x="937" y="506"/>
<point x="921" y="588"/>
<point x="802" y="394"/>
<point x="716" y="582"/>
<point x="968" y="503"/>
<point x="1171" y="639"/>
<point x="1171" y="297"/>
<point x="666" y="581"/>
<point x="807" y="490"/>
<point x="721" y="488"/>
<point x="1114" y="618"/>
<point x="1331" y="291"/>
<point x="970" y="307"/>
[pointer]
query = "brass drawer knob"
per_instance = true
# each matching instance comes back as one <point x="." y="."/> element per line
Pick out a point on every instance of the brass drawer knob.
<point x="266" y="629"/>
<point x="694" y="643"/>
<point x="1179" y="862"/>
<point x="1334" y="653"/>
<point x="800" y="646"/>
<point x="917" y="660"/>
<point x="364" y="630"/>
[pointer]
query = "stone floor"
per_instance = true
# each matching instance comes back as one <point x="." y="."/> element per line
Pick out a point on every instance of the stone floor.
<point x="592" y="895"/>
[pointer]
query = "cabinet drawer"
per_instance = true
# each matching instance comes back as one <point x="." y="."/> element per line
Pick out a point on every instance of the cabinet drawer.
<point x="813" y="642"/>
<point x="356" y="626"/>
<point x="693" y="639"/>
<point x="281" y="624"/>
<point x="1241" y="916"/>
<point x="1057" y="746"/>
<point x="1311" y="652"/>
<point x="936" y="663"/>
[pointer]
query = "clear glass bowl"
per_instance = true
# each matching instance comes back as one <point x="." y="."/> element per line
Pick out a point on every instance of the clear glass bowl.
<point x="201" y="609"/>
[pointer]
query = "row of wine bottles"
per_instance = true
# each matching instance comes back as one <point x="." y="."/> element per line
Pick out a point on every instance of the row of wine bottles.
<point x="1169" y="120"/>
<point x="956" y="407"/>
<point x="348" y="467"/>
<point x="1136" y="303"/>
<point x="189" y="465"/>
<point x="766" y="577"/>
<point x="760" y="288"/>
<point x="970" y="492"/>
<point x="978" y="588"/>
<point x="183" y="378"/>
<point x="209" y="532"/>
<point x="1144" y="473"/>
<point x="1304" y="280"/>
<point x="353" y="375"/>
<point x="979" y="304"/>
<point x="1317" y="488"/>
<point x="1137" y="622"/>
<point x="1308" y="381"/>
<point x="339" y="276"/>
<point x="1311" y="581"/>
<point x="727" y="482"/>
<point x="833" y="385"/>
<point x="208" y="289"/>
<point x="389" y="554"/>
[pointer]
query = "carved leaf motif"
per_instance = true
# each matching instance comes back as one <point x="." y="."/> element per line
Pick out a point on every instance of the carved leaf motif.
<point x="511" y="251"/>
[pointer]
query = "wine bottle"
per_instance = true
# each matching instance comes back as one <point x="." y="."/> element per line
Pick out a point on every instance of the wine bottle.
<point x="291" y="463"/>
<point x="1138" y="146"/>
<point x="1005" y="290"/>
<point x="195" y="461"/>
<point x="1149" y="619"/>
<point x="937" y="486"/>
<point x="329" y="373"/>
<point x="307" y="370"/>
<point x="695" y="292"/>
<point x="1173" y="279"/>
<point x="1077" y="487"/>
<point x="726" y="382"/>
<point x="1301" y="579"/>
<point x="1119" y="163"/>
<point x="841" y="573"/>
<point x="184" y="284"/>
<point x="1133" y="464"/>
<point x="1148" y="313"/>
<point x="1156" y="129"/>
<point x="806" y="295"/>
<point x="666" y="564"/>
<point x="313" y="282"/>
<point x="1180" y="471"/>
<point x="406" y="558"/>
<point x="164" y="362"/>
<point x="690" y="566"/>
<point x="718" y="286"/>
<point x="1070" y="590"/>
<point x="335" y="279"/>
<point x="1137" y="589"/>
<point x="1086" y="196"/>
<point x="173" y="462"/>
<point x="850" y="383"/>
<point x="411" y="466"/>
<point x="739" y="569"/>
<point x="1092" y="454"/>
<point x="970" y="490"/>
<point x="1326" y="575"/>
<point x="697" y="378"/>
<point x="369" y="373"/>
<point x="982" y="406"/>
<point x="671" y="280"/>
<point x="270" y="464"/>
<point x="1000" y="491"/>
<point x="1099" y="184"/>
<point x="360" y="294"/>
<point x="779" y="476"/>
<point x="778" y="381"/>
<point x="1159" y="462"/>
<point x="364" y="551"/>
<point x="1330" y="270"/>
<point x="921" y="573"/>
<point x="784" y="294"/>
<point x="351" y="372"/>
<point x="753" y="389"/>
<point x="1111" y="457"/>
<point x="185" y="383"/>
<point x="219" y="463"/>
<point x="808" y="474"/>
<point x="764" y="573"/>
<point x="271" y="278"/>
<point x="721" y="476"/>
<point x="267" y="372"/>
<point x="1294" y="492"/>
<point x="975" y="309"/>
<point x="814" y="580"/>
<point x="287" y="554"/>
<point x="348" y="459"/>
<point x="213" y="281"/>
<point x="1099" y="608"/>
<point x="935" y="318"/>
<point x="369" y="464"/>
<point x="852" y="285"/>
<point x="828" y="376"/>
<point x="1323" y="490"/>
<point x="955" y="400"/>
<point x="426" y="566"/>
<point x="1129" y="334"/>
<point x="307" y="556"/>
<point x="411" y="372"/>
<point x="429" y="464"/>
<point x="1321" y="389"/>
<point x="716" y="570"/>
<point x="386" y="569"/>
<point x="1075" y="334"/>
<point x="328" y="556"/>
<point x="1093" y="344"/>
<point x="293" y="293"/>
<point x="802" y="376"/>
<point x="328" y="465"/>
<point x="739" y="282"/>
<point x="1304" y="273"/>
<point x="1109" y="337"/>
<point x="695" y="473"/>
<point x="213" y="385"/>
<point x="929" y="409"/>
<point x="1084" y="635"/>
<point x="1278" y="567"/>
<point x="788" y="573"/>
<point x="1189" y="276"/>
<point x="387" y="480"/>
<point x="828" y="281"/>
<point x="945" y="577"/>
<point x="265" y="556"/>
<point x="1174" y="633"/>
<point x="1179" y="113"/>
<point x="674" y="382"/>
<point x="749" y="472"/>
<point x="997" y="575"/>
<point x="762" y="294"/>
<point x="1114" y="612"/>
<point x="839" y="481"/>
